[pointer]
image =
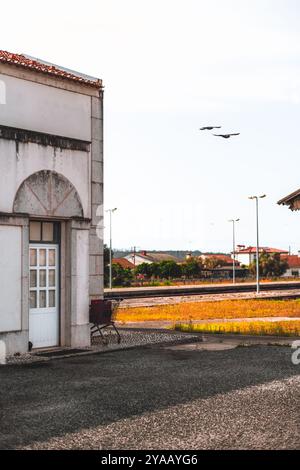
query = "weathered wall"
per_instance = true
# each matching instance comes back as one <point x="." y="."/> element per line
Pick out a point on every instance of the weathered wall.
<point x="64" y="134"/>
<point x="78" y="271"/>
<point x="10" y="285"/>
<point x="96" y="242"/>
<point x="48" y="194"/>
<point x="46" y="109"/>
<point x="18" y="162"/>
<point x="14" y="289"/>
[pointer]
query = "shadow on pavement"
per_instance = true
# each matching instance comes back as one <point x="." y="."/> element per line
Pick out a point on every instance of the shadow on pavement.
<point x="40" y="401"/>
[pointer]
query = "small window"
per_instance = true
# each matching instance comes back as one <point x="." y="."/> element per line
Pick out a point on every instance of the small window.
<point x="35" y="231"/>
<point x="48" y="232"/>
<point x="44" y="232"/>
<point x="33" y="257"/>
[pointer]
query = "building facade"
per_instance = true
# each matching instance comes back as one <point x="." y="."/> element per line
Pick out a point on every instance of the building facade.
<point x="51" y="196"/>
<point x="247" y="255"/>
<point x="293" y="262"/>
<point x="141" y="257"/>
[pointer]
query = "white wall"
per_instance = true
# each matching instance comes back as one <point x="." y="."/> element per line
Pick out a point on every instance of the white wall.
<point x="289" y="272"/>
<point x="137" y="260"/>
<point x="10" y="278"/>
<point x="243" y="258"/>
<point x="82" y="277"/>
<point x="46" y="109"/>
<point x="15" y="168"/>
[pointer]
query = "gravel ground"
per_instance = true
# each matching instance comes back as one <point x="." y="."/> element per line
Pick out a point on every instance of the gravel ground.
<point x="171" y="300"/>
<point x="154" y="397"/>
<point x="129" y="339"/>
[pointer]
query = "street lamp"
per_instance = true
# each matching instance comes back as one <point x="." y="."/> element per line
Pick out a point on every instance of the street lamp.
<point x="110" y="245"/>
<point x="233" y="221"/>
<point x="257" y="240"/>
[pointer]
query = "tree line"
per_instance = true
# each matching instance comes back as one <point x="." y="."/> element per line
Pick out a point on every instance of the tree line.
<point x="270" y="265"/>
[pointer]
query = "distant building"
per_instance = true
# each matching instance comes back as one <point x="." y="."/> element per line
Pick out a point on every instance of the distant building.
<point x="294" y="265"/>
<point x="153" y="257"/>
<point x="123" y="262"/>
<point x="225" y="260"/>
<point x="247" y="255"/>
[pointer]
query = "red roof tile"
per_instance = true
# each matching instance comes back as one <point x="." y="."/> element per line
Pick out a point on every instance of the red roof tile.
<point x="125" y="263"/>
<point x="252" y="249"/>
<point x="293" y="260"/>
<point x="38" y="66"/>
<point x="224" y="258"/>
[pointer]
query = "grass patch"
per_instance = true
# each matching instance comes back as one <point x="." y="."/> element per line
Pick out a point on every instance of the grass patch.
<point x="211" y="310"/>
<point x="280" y="328"/>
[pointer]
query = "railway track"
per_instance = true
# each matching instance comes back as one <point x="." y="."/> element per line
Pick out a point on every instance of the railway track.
<point x="152" y="292"/>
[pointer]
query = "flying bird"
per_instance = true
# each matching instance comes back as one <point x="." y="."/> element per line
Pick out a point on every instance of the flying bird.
<point x="209" y="128"/>
<point x="226" y="136"/>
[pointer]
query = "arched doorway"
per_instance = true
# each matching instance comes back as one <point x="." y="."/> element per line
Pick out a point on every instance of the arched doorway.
<point x="49" y="199"/>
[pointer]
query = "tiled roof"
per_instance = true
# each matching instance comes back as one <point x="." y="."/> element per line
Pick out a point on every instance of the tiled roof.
<point x="288" y="198"/>
<point x="53" y="70"/>
<point x="292" y="200"/>
<point x="224" y="258"/>
<point x="125" y="263"/>
<point x="293" y="260"/>
<point x="157" y="257"/>
<point x="154" y="257"/>
<point x="252" y="249"/>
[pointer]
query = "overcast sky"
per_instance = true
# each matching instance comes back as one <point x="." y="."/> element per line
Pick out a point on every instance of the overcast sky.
<point x="169" y="67"/>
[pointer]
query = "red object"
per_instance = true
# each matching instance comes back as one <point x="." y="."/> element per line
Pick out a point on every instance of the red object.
<point x="293" y="260"/>
<point x="34" y="64"/>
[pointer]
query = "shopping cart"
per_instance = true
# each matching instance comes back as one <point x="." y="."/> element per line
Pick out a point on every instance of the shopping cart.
<point x="101" y="316"/>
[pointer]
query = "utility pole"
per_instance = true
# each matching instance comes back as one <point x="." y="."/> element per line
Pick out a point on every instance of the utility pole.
<point x="111" y="211"/>
<point x="256" y="198"/>
<point x="233" y="221"/>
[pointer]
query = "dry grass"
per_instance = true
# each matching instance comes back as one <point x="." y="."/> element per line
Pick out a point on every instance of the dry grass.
<point x="280" y="328"/>
<point x="212" y="310"/>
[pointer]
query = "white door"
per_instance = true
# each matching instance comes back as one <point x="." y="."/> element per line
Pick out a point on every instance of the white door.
<point x="44" y="308"/>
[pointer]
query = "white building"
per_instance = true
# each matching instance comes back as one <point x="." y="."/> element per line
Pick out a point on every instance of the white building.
<point x="51" y="185"/>
<point x="247" y="255"/>
<point x="141" y="257"/>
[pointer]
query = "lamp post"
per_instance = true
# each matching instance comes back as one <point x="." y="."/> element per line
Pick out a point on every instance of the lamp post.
<point x="110" y="244"/>
<point x="233" y="221"/>
<point x="256" y="198"/>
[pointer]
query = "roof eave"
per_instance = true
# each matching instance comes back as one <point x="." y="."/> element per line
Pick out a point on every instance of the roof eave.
<point x="290" y="199"/>
<point x="52" y="70"/>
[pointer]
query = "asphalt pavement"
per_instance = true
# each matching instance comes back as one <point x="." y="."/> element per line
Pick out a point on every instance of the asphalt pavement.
<point x="154" y="397"/>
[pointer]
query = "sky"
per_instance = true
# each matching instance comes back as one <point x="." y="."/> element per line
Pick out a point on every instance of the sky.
<point x="170" y="67"/>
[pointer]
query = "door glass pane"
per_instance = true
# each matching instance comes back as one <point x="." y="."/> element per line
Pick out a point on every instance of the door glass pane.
<point x="35" y="231"/>
<point x="42" y="257"/>
<point x="42" y="278"/>
<point x="51" y="260"/>
<point x="51" y="298"/>
<point x="47" y="232"/>
<point x="33" y="257"/>
<point x="42" y="299"/>
<point x="51" y="280"/>
<point x="33" y="278"/>
<point x="33" y="299"/>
